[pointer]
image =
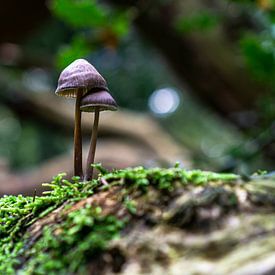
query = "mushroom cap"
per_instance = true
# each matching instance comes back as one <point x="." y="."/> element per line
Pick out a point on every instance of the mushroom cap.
<point x="97" y="98"/>
<point x="79" y="76"/>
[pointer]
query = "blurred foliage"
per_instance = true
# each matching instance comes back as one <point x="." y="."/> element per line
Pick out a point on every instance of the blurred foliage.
<point x="131" y="78"/>
<point x="82" y="13"/>
<point x="199" y="21"/>
<point x="96" y="22"/>
<point x="258" y="47"/>
<point x="26" y="143"/>
<point x="78" y="48"/>
<point x="259" y="54"/>
<point x="89" y="13"/>
<point x="36" y="144"/>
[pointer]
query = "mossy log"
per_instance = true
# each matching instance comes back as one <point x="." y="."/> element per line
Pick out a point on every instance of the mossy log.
<point x="142" y="221"/>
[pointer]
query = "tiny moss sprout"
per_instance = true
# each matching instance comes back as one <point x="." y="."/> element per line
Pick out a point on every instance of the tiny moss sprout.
<point x="66" y="247"/>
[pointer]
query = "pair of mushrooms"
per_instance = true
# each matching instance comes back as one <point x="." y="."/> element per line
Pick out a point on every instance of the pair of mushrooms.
<point x="82" y="81"/>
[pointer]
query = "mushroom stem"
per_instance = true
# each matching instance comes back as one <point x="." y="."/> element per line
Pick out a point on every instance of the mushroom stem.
<point x="78" y="139"/>
<point x="91" y="154"/>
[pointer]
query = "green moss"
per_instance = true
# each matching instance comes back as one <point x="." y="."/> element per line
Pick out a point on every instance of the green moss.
<point x="164" y="178"/>
<point x="18" y="212"/>
<point x="85" y="232"/>
<point x="83" y="235"/>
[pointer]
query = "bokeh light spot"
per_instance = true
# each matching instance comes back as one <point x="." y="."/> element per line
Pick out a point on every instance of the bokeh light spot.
<point x="164" y="101"/>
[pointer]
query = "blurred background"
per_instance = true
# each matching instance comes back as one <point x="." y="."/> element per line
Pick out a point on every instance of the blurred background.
<point x="194" y="80"/>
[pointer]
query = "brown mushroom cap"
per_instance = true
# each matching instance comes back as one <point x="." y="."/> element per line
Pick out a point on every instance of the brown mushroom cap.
<point x="80" y="75"/>
<point x="97" y="98"/>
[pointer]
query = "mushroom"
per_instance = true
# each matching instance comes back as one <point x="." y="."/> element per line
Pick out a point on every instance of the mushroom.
<point x="74" y="82"/>
<point x="96" y="100"/>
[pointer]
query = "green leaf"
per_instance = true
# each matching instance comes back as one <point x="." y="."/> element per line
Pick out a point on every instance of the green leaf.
<point x="79" y="13"/>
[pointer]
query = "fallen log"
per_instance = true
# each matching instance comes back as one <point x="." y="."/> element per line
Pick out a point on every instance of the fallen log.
<point x="139" y="221"/>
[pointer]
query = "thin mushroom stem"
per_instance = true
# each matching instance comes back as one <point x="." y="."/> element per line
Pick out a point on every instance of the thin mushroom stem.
<point x="78" y="139"/>
<point x="91" y="154"/>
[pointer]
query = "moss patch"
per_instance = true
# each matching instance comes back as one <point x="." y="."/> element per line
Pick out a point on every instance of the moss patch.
<point x="72" y="223"/>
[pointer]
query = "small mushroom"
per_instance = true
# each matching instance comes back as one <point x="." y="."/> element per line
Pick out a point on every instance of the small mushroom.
<point x="74" y="82"/>
<point x="96" y="100"/>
